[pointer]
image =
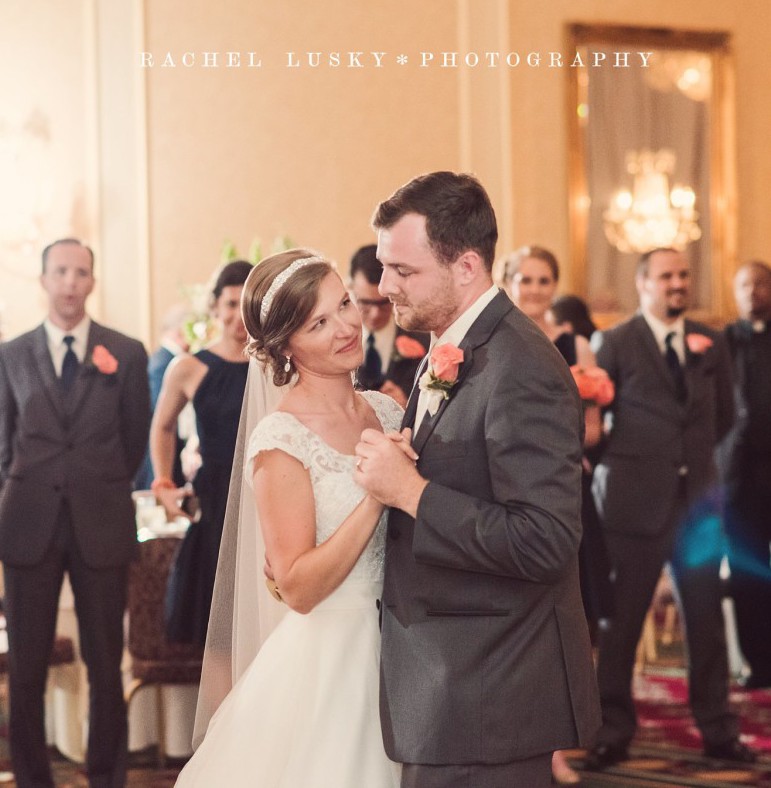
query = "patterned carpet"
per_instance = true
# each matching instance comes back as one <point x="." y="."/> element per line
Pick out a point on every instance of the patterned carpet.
<point x="666" y="751"/>
<point x="667" y="748"/>
<point x="143" y="771"/>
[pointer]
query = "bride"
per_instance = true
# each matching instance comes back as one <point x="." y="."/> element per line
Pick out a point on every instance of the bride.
<point x="305" y="710"/>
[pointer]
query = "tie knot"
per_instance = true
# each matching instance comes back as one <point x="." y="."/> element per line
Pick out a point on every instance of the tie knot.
<point x="371" y="339"/>
<point x="68" y="340"/>
<point x="670" y="338"/>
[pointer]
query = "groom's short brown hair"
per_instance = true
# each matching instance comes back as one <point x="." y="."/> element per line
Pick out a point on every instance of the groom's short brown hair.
<point x="459" y="214"/>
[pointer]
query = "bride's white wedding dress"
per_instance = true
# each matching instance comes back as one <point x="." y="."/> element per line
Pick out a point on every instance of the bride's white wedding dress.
<point x="305" y="712"/>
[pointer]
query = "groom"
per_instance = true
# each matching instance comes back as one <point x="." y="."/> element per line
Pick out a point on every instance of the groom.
<point x="486" y="664"/>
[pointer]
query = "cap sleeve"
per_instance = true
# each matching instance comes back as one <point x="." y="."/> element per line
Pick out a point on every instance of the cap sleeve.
<point x="277" y="431"/>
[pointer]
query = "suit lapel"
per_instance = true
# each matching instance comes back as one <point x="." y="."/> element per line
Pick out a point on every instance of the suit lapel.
<point x="692" y="362"/>
<point x="408" y="419"/>
<point x="648" y="341"/>
<point x="86" y="374"/>
<point x="477" y="335"/>
<point x="47" y="372"/>
<point x="429" y="422"/>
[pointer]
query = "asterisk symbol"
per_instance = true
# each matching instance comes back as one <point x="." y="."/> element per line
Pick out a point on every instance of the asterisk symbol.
<point x="402" y="60"/>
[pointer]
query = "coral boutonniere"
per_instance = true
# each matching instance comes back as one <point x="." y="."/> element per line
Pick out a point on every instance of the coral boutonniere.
<point x="409" y="348"/>
<point x="698" y="343"/>
<point x="441" y="375"/>
<point x="104" y="361"/>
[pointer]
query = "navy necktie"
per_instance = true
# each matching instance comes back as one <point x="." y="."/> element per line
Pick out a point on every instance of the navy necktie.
<point x="675" y="367"/>
<point x="373" y="366"/>
<point x="70" y="364"/>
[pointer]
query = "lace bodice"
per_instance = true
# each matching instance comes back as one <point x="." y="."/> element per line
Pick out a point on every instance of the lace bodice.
<point x="334" y="491"/>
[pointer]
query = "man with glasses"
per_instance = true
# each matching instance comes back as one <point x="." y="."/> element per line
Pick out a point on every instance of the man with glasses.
<point x="391" y="355"/>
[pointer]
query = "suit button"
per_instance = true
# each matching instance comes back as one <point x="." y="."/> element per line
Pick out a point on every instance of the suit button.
<point x="57" y="488"/>
<point x="70" y="446"/>
<point x="682" y="470"/>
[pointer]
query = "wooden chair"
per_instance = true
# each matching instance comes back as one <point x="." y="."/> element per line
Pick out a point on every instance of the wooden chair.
<point x="155" y="661"/>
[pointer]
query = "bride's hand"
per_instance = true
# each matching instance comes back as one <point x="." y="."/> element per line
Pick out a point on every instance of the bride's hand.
<point x="403" y="440"/>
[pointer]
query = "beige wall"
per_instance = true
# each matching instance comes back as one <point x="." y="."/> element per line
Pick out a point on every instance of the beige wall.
<point x="186" y="158"/>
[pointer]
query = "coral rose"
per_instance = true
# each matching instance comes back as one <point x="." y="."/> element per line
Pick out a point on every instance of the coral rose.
<point x="445" y="360"/>
<point x="698" y="343"/>
<point x="407" y="347"/>
<point x="104" y="361"/>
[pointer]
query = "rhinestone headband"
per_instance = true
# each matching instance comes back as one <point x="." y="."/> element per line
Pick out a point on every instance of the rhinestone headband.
<point x="281" y="280"/>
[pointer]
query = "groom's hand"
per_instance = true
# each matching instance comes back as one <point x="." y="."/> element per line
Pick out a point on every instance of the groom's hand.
<point x="385" y="468"/>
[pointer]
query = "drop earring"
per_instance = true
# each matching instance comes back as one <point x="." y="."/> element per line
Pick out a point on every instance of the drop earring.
<point x="288" y="365"/>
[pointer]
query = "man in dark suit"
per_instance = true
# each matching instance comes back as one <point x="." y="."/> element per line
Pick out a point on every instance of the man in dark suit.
<point x="486" y="665"/>
<point x="173" y="342"/>
<point x="654" y="488"/>
<point x="746" y="470"/>
<point x="392" y="355"/>
<point x="74" y="418"/>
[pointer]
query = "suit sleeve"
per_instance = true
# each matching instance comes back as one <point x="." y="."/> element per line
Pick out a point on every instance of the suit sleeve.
<point x="135" y="408"/>
<point x="7" y="420"/>
<point x="603" y="347"/>
<point x="531" y="529"/>
<point x="724" y="382"/>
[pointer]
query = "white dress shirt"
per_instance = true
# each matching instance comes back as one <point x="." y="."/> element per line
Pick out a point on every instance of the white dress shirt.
<point x="661" y="330"/>
<point x="454" y="335"/>
<point x="56" y="346"/>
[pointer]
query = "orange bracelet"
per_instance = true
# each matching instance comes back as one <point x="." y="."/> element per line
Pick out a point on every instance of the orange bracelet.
<point x="162" y="483"/>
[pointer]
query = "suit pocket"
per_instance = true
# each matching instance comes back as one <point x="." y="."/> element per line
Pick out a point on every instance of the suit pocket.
<point x="495" y="612"/>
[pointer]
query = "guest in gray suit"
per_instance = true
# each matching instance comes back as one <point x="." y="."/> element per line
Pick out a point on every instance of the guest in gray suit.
<point x="674" y="402"/>
<point x="74" y="418"/>
<point x="486" y="665"/>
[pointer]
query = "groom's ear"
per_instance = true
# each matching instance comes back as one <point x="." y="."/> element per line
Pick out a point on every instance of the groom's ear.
<point x="469" y="266"/>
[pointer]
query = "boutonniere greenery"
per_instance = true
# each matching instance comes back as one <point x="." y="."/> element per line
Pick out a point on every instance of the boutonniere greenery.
<point x="441" y="375"/>
<point x="103" y="361"/>
<point x="408" y="348"/>
<point x="698" y="343"/>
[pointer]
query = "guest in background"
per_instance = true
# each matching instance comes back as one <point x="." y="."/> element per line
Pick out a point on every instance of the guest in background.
<point x="531" y="275"/>
<point x="745" y="460"/>
<point x="213" y="380"/>
<point x="74" y="414"/>
<point x="572" y="313"/>
<point x="391" y="354"/>
<point x="173" y="342"/>
<point x="674" y="403"/>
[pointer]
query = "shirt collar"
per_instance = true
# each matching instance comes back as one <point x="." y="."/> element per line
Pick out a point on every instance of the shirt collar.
<point x="80" y="332"/>
<point x="457" y="331"/>
<point x="661" y="329"/>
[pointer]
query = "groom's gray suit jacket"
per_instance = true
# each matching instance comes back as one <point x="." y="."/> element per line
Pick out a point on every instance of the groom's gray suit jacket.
<point x="486" y="655"/>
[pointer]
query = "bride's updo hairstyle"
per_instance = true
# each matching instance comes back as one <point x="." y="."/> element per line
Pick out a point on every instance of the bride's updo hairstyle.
<point x="278" y="297"/>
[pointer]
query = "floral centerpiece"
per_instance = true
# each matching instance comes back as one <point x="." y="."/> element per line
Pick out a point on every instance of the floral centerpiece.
<point x="199" y="328"/>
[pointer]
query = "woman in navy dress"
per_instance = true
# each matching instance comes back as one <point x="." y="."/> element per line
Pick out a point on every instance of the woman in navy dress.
<point x="214" y="380"/>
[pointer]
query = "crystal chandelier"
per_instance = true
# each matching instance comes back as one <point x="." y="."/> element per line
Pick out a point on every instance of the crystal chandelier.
<point x="651" y="216"/>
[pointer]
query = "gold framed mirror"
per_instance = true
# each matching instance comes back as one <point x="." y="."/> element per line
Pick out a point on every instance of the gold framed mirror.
<point x="651" y="162"/>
